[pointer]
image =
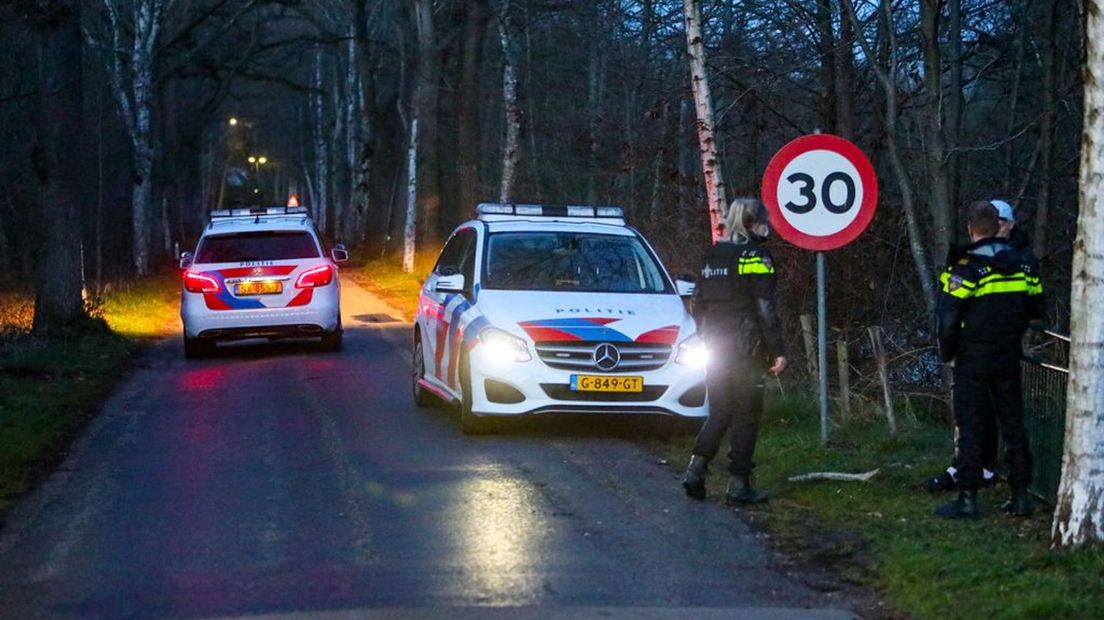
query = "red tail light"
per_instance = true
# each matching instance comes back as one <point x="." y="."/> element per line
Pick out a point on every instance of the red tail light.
<point x="200" y="283"/>
<point x="318" y="276"/>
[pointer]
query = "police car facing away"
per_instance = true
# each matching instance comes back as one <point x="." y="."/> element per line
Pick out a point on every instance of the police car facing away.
<point x="539" y="309"/>
<point x="260" y="273"/>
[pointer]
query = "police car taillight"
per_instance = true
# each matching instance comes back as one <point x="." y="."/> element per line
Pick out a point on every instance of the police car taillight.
<point x="317" y="276"/>
<point x="200" y="283"/>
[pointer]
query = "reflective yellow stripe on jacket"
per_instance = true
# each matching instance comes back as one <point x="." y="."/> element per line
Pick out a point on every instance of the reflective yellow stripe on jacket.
<point x="754" y="265"/>
<point x="994" y="284"/>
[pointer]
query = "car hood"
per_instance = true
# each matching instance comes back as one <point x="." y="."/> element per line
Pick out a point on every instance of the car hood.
<point x="569" y="317"/>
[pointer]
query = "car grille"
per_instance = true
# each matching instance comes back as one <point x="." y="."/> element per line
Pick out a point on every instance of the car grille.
<point x="579" y="356"/>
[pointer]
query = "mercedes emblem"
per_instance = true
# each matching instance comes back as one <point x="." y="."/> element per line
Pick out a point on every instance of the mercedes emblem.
<point x="606" y="357"/>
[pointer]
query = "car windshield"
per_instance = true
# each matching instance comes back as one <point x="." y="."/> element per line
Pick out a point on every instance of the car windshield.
<point x="253" y="246"/>
<point x="569" y="261"/>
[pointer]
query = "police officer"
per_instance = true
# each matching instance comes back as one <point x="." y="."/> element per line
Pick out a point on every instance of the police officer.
<point x="735" y="310"/>
<point x="945" y="481"/>
<point x="986" y="301"/>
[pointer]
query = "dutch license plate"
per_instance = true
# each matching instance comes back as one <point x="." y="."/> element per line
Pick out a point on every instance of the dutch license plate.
<point x="598" y="383"/>
<point x="260" y="287"/>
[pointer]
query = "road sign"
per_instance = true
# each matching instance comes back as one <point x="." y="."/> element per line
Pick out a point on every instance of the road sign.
<point x="821" y="192"/>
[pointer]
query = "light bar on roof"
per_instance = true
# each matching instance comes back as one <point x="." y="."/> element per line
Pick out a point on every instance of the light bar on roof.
<point x="522" y="210"/>
<point x="257" y="211"/>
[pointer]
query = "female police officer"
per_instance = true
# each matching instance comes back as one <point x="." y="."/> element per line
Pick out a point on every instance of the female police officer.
<point x="736" y="315"/>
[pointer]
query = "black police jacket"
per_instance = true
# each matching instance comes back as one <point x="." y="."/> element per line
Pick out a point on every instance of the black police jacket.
<point x="987" y="298"/>
<point x="735" y="296"/>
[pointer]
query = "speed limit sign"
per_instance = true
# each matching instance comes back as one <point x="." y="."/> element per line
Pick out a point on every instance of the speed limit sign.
<point x="821" y="192"/>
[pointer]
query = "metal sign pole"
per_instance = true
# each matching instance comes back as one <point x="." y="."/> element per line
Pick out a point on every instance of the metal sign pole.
<point x="822" y="347"/>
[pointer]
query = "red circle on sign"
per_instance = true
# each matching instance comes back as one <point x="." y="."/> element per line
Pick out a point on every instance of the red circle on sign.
<point x="843" y="148"/>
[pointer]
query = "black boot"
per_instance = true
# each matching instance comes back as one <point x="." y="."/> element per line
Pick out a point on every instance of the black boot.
<point x="694" y="480"/>
<point x="741" y="492"/>
<point x="1019" y="503"/>
<point x="965" y="507"/>
<point x="944" y="481"/>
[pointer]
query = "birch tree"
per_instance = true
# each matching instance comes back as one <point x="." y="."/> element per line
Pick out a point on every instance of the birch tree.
<point x="321" y="194"/>
<point x="511" y="149"/>
<point x="411" y="226"/>
<point x="703" y="102"/>
<point x="134" y="27"/>
<point x="1079" y="513"/>
<point x="426" y="98"/>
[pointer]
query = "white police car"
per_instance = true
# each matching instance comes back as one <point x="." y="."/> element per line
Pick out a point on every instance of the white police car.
<point x="260" y="273"/>
<point x="539" y="309"/>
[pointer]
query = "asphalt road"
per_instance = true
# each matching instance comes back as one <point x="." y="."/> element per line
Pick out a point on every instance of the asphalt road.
<point x="277" y="479"/>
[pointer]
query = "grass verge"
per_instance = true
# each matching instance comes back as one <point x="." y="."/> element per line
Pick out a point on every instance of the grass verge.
<point x="49" y="387"/>
<point x="882" y="534"/>
<point x="385" y="278"/>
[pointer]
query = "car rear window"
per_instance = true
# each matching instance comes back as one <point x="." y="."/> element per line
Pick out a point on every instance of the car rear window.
<point x="253" y="246"/>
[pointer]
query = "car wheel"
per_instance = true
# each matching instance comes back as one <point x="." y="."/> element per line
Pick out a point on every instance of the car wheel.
<point x="194" y="348"/>
<point x="470" y="424"/>
<point x="422" y="396"/>
<point x="331" y="341"/>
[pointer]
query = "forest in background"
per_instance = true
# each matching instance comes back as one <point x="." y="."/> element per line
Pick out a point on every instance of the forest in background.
<point x="555" y="101"/>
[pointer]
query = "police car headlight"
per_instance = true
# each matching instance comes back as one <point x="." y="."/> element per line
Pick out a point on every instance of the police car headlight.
<point x="499" y="347"/>
<point x="692" y="352"/>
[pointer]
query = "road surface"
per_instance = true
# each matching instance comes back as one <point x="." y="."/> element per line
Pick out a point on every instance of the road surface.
<point x="274" y="479"/>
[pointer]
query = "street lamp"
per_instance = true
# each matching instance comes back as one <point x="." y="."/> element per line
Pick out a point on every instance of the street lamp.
<point x="233" y="121"/>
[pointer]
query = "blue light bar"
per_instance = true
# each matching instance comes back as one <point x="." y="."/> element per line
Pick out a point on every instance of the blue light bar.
<point x="257" y="211"/>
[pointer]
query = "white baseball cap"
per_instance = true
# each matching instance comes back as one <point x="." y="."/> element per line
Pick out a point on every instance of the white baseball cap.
<point x="1004" y="210"/>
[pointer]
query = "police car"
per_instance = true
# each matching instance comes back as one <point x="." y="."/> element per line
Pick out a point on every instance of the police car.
<point x="260" y="272"/>
<point x="539" y="309"/>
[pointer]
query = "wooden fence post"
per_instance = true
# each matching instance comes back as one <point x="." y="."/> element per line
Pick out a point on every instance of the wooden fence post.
<point x="844" y="379"/>
<point x="809" y="336"/>
<point x="883" y="374"/>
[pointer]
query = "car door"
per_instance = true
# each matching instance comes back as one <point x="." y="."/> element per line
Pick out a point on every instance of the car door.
<point x="437" y="322"/>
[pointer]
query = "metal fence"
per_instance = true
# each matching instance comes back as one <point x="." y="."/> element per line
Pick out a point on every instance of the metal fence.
<point x="1045" y="373"/>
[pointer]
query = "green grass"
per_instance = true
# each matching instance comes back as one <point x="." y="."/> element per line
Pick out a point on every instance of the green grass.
<point x="49" y="387"/>
<point x="385" y="278"/>
<point x="882" y="534"/>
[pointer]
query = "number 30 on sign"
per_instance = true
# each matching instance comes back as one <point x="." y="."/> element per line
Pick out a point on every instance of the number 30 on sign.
<point x="821" y="192"/>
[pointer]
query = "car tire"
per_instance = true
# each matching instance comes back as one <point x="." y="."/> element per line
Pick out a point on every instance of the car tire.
<point x="331" y="341"/>
<point x="194" y="348"/>
<point x="470" y="424"/>
<point x="422" y="397"/>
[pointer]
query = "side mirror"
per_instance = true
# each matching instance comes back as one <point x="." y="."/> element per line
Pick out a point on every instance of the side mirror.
<point x="451" y="284"/>
<point x="685" y="288"/>
<point x="186" y="259"/>
<point x="339" y="254"/>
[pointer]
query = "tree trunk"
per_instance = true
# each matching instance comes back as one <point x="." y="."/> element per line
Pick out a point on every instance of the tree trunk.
<point x="426" y="95"/>
<point x="360" y="192"/>
<point x="845" y="79"/>
<point x="1079" y="513"/>
<point x="955" y="100"/>
<point x="1046" y="128"/>
<point x="942" y="214"/>
<point x="826" y="45"/>
<point x="511" y="149"/>
<point x="59" y="166"/>
<point x="467" y="138"/>
<point x="321" y="151"/>
<point x="887" y="77"/>
<point x="409" y="230"/>
<point x="703" y="102"/>
<point x="594" y="109"/>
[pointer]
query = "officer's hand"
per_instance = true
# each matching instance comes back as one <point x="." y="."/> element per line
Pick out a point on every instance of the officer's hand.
<point x="779" y="366"/>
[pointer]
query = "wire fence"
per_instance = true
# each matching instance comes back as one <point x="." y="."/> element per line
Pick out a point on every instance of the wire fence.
<point x="1045" y="374"/>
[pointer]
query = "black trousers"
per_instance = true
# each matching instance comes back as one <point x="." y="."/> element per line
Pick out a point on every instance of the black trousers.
<point x="990" y="438"/>
<point x="734" y="381"/>
<point x="977" y="378"/>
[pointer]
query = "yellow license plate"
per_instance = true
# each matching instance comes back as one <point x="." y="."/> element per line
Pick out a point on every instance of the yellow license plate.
<point x="598" y="383"/>
<point x="262" y="287"/>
